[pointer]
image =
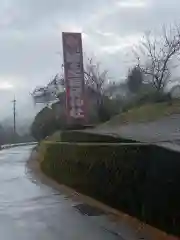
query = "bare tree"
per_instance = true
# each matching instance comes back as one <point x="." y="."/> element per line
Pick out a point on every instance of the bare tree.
<point x="158" y="54"/>
<point x="96" y="79"/>
<point x="95" y="83"/>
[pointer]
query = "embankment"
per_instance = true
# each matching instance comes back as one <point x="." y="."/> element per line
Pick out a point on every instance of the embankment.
<point x="137" y="179"/>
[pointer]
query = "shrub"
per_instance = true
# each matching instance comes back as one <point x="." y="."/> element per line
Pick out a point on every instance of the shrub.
<point x="155" y="97"/>
<point x="143" y="181"/>
<point x="146" y="98"/>
<point x="85" y="136"/>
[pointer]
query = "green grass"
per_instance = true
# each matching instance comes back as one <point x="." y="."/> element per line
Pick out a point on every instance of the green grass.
<point x="54" y="137"/>
<point x="145" y="113"/>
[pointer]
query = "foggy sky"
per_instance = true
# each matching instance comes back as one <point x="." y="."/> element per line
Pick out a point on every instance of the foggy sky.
<point x="30" y="39"/>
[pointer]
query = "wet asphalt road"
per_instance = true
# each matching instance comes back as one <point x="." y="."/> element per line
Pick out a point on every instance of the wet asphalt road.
<point x="30" y="210"/>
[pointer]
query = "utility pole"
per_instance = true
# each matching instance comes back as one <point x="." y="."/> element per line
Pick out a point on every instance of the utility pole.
<point x="14" y="117"/>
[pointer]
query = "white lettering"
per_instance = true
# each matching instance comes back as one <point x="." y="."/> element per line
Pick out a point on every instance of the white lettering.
<point x="75" y="67"/>
<point x="79" y="103"/>
<point x="71" y="73"/>
<point x="76" y="113"/>
<point x="73" y="57"/>
<point x="75" y="83"/>
<point x="75" y="92"/>
<point x="76" y="102"/>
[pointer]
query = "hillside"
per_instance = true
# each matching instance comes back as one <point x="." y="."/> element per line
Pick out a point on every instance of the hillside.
<point x="149" y="123"/>
<point x="145" y="113"/>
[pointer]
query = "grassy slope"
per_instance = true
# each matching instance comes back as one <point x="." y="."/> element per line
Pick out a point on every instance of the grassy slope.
<point x="145" y="113"/>
<point x="54" y="137"/>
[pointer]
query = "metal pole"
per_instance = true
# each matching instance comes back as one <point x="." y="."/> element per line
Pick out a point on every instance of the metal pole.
<point x="14" y="116"/>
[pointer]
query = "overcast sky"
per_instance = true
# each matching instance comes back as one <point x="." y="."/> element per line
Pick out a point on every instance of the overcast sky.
<point x="31" y="46"/>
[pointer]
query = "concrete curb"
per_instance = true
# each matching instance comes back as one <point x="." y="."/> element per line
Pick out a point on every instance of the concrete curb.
<point x="6" y="146"/>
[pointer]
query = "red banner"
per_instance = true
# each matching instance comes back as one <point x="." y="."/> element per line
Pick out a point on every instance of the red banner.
<point x="74" y="75"/>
